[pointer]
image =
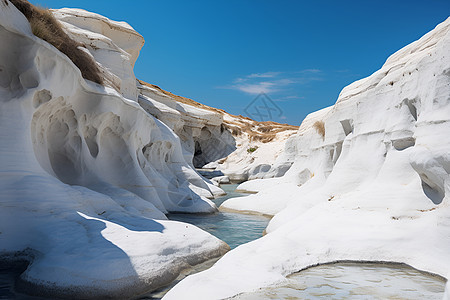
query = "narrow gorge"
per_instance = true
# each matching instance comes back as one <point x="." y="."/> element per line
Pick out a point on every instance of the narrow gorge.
<point x="110" y="186"/>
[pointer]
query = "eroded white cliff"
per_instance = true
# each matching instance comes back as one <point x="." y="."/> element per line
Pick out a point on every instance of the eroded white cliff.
<point x="235" y="146"/>
<point x="86" y="174"/>
<point x="370" y="181"/>
<point x="114" y="45"/>
<point x="206" y="134"/>
<point x="201" y="131"/>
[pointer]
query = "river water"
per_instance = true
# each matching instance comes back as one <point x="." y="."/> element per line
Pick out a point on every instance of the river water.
<point x="355" y="281"/>
<point x="232" y="228"/>
<point x="331" y="281"/>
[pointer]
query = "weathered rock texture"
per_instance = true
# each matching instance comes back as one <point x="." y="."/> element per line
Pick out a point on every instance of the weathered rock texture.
<point x="369" y="182"/>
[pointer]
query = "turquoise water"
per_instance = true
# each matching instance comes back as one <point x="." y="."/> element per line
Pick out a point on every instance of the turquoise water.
<point x="332" y="281"/>
<point x="233" y="228"/>
<point x="355" y="281"/>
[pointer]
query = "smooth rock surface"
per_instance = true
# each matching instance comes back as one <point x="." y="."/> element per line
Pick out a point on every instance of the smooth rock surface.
<point x="370" y="181"/>
<point x="86" y="175"/>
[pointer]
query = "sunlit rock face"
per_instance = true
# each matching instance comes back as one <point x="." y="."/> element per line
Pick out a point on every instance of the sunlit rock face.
<point x="86" y="174"/>
<point x="369" y="181"/>
<point x="205" y="133"/>
<point x="202" y="132"/>
<point x="213" y="138"/>
<point x="114" y="45"/>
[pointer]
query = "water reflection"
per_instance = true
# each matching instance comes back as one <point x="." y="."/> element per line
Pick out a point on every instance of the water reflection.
<point x="355" y="281"/>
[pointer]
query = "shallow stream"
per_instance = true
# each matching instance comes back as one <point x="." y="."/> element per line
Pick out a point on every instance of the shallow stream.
<point x="332" y="281"/>
<point x="232" y="228"/>
<point x="355" y="281"/>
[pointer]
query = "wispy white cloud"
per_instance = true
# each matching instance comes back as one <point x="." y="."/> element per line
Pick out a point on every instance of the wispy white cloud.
<point x="256" y="75"/>
<point x="264" y="75"/>
<point x="288" y="98"/>
<point x="273" y="82"/>
<point x="256" y="88"/>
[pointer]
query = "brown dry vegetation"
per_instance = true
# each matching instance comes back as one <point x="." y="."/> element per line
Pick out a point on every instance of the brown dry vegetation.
<point x="181" y="99"/>
<point x="320" y="127"/>
<point x="45" y="26"/>
<point x="236" y="131"/>
<point x="263" y="138"/>
<point x="257" y="131"/>
<point x="265" y="129"/>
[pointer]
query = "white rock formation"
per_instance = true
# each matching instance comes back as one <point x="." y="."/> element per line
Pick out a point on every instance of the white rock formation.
<point x="205" y="132"/>
<point x="239" y="147"/>
<point x="201" y="131"/>
<point x="114" y="45"/>
<point x="259" y="152"/>
<point x="374" y="187"/>
<point x="221" y="179"/>
<point x="86" y="174"/>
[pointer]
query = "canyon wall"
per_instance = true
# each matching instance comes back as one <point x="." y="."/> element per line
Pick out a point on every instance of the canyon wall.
<point x="369" y="181"/>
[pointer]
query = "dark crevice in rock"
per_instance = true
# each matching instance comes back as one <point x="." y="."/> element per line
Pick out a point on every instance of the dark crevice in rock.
<point x="347" y="126"/>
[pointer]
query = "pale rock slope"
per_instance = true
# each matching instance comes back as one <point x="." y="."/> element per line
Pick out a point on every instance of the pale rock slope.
<point x="259" y="152"/>
<point x="201" y="130"/>
<point x="86" y="174"/>
<point x="374" y="187"/>
<point x="114" y="45"/>
<point x="206" y="134"/>
<point x="215" y="139"/>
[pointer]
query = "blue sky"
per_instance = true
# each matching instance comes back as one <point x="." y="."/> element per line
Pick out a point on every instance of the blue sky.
<point x="300" y="53"/>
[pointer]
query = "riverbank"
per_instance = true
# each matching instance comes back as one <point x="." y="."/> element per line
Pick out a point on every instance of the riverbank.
<point x="233" y="228"/>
